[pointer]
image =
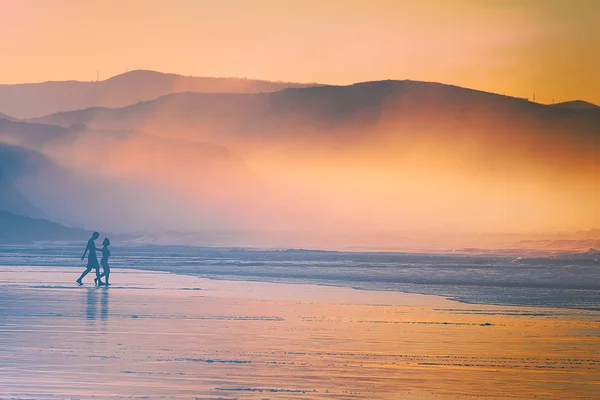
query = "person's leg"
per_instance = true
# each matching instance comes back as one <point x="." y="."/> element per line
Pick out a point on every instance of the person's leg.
<point x="97" y="279"/>
<point x="105" y="272"/>
<point x="87" y="271"/>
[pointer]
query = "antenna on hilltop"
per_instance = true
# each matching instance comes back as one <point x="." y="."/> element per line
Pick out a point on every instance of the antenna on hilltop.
<point x="97" y="75"/>
<point x="534" y="97"/>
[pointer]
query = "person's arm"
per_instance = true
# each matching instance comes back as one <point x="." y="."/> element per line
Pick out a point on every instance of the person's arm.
<point x="85" y="252"/>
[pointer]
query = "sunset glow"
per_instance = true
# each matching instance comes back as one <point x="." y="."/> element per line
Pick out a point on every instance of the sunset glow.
<point x="299" y="199"/>
<point x="513" y="47"/>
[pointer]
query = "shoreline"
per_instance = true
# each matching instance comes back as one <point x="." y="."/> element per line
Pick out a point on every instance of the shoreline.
<point x="430" y="298"/>
<point x="226" y="278"/>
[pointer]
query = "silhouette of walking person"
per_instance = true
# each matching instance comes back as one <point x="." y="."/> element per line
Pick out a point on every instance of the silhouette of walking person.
<point x="92" y="260"/>
<point x="104" y="261"/>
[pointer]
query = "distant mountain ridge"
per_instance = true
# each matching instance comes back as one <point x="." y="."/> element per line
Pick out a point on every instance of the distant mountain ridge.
<point x="328" y="107"/>
<point x="30" y="133"/>
<point x="321" y="101"/>
<point x="7" y="117"/>
<point x="577" y="105"/>
<point x="19" y="229"/>
<point x="33" y="100"/>
<point x="37" y="99"/>
<point x="14" y="161"/>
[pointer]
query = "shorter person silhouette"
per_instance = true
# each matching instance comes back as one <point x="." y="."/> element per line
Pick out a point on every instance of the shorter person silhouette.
<point x="104" y="261"/>
<point x="92" y="260"/>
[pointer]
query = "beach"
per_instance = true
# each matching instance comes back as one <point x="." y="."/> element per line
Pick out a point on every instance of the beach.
<point x="163" y="335"/>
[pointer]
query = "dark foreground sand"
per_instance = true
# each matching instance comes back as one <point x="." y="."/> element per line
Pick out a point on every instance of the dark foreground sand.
<point x="164" y="335"/>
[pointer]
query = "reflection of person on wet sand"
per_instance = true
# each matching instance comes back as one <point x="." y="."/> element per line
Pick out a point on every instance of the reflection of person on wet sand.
<point x="92" y="260"/>
<point x="91" y="307"/>
<point x="104" y="261"/>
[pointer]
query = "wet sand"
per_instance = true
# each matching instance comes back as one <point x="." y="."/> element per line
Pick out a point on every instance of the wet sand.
<point x="163" y="335"/>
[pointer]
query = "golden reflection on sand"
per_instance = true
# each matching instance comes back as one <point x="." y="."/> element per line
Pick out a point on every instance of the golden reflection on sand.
<point x="159" y="334"/>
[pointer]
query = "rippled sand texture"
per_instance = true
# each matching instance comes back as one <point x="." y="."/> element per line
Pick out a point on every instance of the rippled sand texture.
<point x="164" y="335"/>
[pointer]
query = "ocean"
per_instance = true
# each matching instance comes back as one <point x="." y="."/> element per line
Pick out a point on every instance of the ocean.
<point x="484" y="279"/>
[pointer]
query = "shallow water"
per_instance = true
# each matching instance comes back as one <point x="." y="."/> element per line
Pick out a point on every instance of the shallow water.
<point x="485" y="279"/>
<point x="165" y="335"/>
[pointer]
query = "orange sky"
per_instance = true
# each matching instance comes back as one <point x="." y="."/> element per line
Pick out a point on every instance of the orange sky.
<point x="516" y="47"/>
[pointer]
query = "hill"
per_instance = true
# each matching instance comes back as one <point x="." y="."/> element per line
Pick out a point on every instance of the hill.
<point x="19" y="229"/>
<point x="32" y="134"/>
<point x="577" y="105"/>
<point x="326" y="103"/>
<point x="326" y="111"/>
<point x="37" y="99"/>
<point x="14" y="162"/>
<point x="7" y="117"/>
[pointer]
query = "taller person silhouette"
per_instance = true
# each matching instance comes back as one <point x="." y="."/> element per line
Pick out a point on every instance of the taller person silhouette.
<point x="92" y="263"/>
